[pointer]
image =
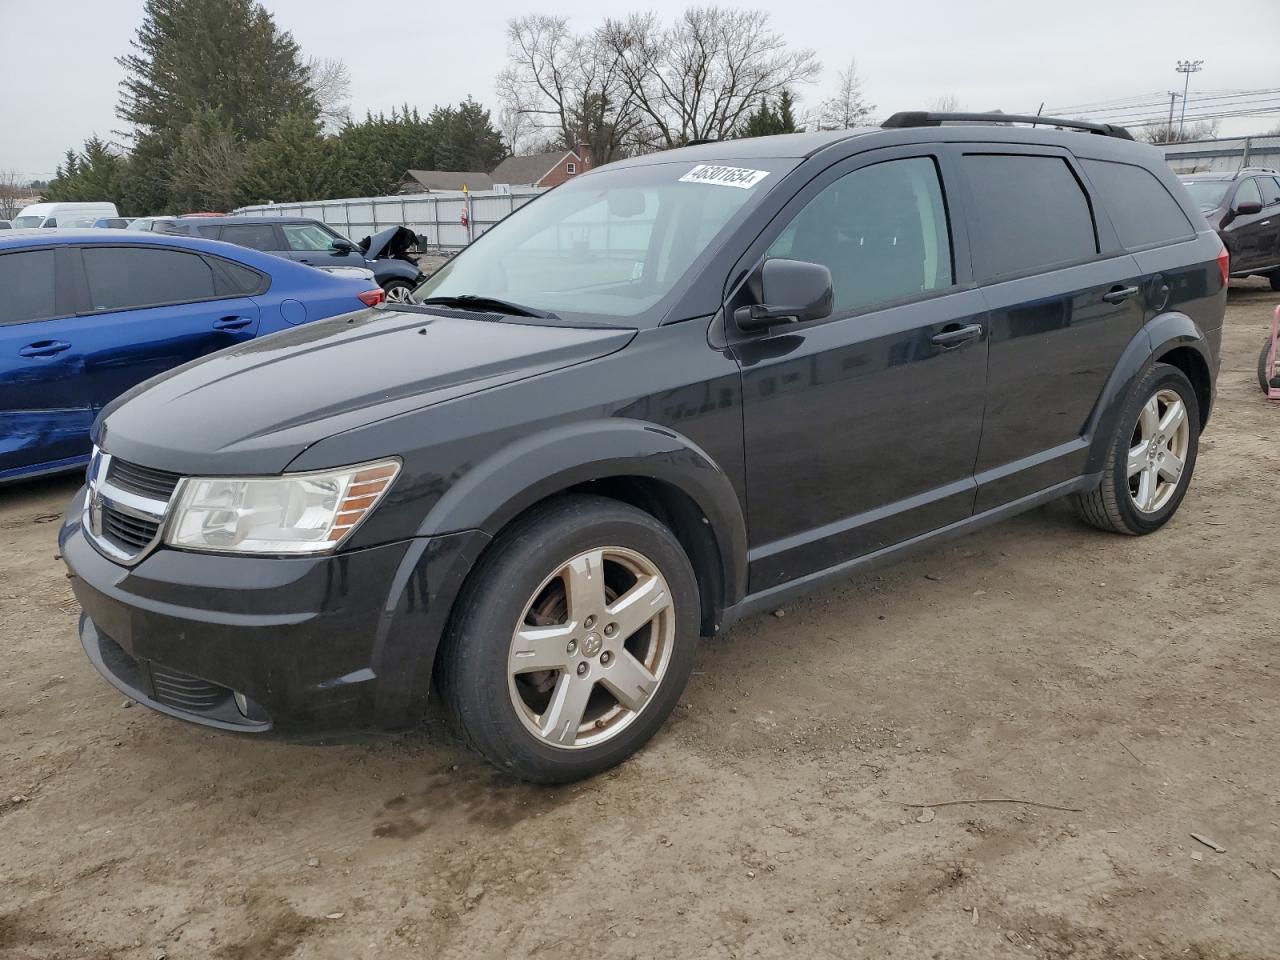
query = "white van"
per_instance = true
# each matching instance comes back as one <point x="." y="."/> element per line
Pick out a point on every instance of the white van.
<point x="63" y="214"/>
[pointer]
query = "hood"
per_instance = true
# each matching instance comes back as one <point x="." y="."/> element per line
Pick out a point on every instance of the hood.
<point x="253" y="408"/>
<point x="392" y="242"/>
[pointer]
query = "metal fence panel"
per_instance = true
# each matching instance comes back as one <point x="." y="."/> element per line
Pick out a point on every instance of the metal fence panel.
<point x="435" y="216"/>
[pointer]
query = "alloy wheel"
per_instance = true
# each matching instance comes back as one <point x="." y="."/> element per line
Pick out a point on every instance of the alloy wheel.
<point x="591" y="648"/>
<point x="1158" y="451"/>
<point x="399" y="294"/>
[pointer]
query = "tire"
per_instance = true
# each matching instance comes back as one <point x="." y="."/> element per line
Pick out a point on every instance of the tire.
<point x="1263" y="357"/>
<point x="1275" y="279"/>
<point x="1114" y="504"/>
<point x="397" y="291"/>
<point x="510" y="709"/>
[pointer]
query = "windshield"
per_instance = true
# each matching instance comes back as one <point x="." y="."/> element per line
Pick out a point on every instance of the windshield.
<point x="611" y="244"/>
<point x="21" y="222"/>
<point x="1207" y="193"/>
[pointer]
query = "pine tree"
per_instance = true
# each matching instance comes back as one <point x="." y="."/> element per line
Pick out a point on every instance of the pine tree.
<point x="227" y="56"/>
<point x="294" y="163"/>
<point x="768" y="121"/>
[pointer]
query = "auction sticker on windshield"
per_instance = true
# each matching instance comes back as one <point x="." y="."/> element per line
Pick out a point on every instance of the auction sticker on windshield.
<point x="724" y="176"/>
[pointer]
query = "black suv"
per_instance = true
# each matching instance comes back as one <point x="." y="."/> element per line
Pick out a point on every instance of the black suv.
<point x="675" y="391"/>
<point x="1244" y="207"/>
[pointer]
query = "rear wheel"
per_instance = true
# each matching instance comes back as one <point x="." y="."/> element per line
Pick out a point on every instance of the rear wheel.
<point x="1275" y="279"/>
<point x="1151" y="456"/>
<point x="1264" y="366"/>
<point x="573" y="641"/>
<point x="398" y="291"/>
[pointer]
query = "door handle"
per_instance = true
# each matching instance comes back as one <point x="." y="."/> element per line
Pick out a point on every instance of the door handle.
<point x="954" y="336"/>
<point x="232" y="323"/>
<point x="307" y="262"/>
<point x="1119" y="294"/>
<point x="44" y="348"/>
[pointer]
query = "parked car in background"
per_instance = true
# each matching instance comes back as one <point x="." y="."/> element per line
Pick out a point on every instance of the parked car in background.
<point x="62" y="215"/>
<point x="111" y="223"/>
<point x="1244" y="207"/>
<point x="87" y="315"/>
<point x="762" y="366"/>
<point x="163" y="223"/>
<point x="317" y="244"/>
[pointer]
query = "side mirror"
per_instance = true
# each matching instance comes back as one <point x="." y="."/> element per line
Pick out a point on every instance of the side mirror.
<point x="342" y="246"/>
<point x="790" y="291"/>
<point x="1248" y="208"/>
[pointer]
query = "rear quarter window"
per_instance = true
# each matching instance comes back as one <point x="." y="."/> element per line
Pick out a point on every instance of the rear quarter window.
<point x="1143" y="212"/>
<point x="1030" y="213"/>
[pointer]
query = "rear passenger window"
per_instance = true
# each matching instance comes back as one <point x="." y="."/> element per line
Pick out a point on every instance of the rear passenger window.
<point x="1030" y="213"/>
<point x="125" y="278"/>
<point x="256" y="236"/>
<point x="1142" y="210"/>
<point x="27" y="282"/>
<point x="881" y="231"/>
<point x="1270" y="190"/>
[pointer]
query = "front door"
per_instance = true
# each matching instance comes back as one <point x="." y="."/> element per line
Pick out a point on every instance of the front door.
<point x="44" y="410"/>
<point x="311" y="244"/>
<point x="861" y="429"/>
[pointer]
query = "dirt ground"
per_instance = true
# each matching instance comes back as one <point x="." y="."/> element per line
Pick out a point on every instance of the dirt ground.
<point x="777" y="814"/>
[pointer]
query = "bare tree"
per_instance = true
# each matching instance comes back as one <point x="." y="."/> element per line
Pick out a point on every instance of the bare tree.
<point x="331" y="84"/>
<point x="1179" y="133"/>
<point x="947" y="103"/>
<point x="14" y="194"/>
<point x="848" y="108"/>
<point x="569" y="87"/>
<point x="701" y="77"/>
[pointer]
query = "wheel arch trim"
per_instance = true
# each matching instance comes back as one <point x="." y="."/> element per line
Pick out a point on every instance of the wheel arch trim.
<point x="1158" y="337"/>
<point x="498" y="489"/>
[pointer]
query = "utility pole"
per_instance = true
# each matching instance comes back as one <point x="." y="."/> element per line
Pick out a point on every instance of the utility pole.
<point x="1168" y="130"/>
<point x="1186" y="68"/>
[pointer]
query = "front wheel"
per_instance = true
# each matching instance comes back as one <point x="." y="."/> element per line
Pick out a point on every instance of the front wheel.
<point x="398" y="291"/>
<point x="573" y="640"/>
<point x="1151" y="456"/>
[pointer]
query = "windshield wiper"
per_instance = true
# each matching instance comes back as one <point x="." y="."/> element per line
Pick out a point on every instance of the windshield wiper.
<point x="471" y="301"/>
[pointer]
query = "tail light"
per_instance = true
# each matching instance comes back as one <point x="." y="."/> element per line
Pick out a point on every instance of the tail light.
<point x="371" y="298"/>
<point x="1224" y="264"/>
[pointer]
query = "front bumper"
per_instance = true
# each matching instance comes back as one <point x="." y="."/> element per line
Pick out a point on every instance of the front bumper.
<point x="257" y="644"/>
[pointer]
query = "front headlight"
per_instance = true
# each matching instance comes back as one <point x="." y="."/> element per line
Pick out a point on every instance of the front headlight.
<point x="293" y="513"/>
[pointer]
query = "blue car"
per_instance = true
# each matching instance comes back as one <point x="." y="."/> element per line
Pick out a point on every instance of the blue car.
<point x="87" y="314"/>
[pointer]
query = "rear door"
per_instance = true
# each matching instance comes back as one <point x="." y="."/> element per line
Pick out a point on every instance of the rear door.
<point x="153" y="308"/>
<point x="256" y="236"/>
<point x="1064" y="302"/>
<point x="861" y="429"/>
<point x="44" y="409"/>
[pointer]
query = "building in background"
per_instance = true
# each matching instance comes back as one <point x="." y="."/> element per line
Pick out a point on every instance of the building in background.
<point x="444" y="181"/>
<point x="541" y="169"/>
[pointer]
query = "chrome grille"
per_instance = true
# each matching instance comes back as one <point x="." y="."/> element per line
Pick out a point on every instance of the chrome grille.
<point x="142" y="480"/>
<point x="125" y="506"/>
<point x="128" y="533"/>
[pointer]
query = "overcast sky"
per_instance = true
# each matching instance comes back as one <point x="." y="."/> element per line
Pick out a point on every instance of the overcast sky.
<point x="61" y="77"/>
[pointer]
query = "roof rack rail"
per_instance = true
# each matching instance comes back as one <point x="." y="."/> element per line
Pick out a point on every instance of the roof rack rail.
<point x="925" y="118"/>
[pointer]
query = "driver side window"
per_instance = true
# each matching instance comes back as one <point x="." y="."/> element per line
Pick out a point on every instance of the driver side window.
<point x="881" y="231"/>
<point x="306" y="237"/>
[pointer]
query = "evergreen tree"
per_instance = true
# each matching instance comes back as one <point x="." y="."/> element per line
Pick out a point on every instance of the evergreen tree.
<point x="466" y="138"/>
<point x="227" y="56"/>
<point x="378" y="150"/>
<point x="294" y="163"/>
<point x="768" y="121"/>
<point x="206" y="165"/>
